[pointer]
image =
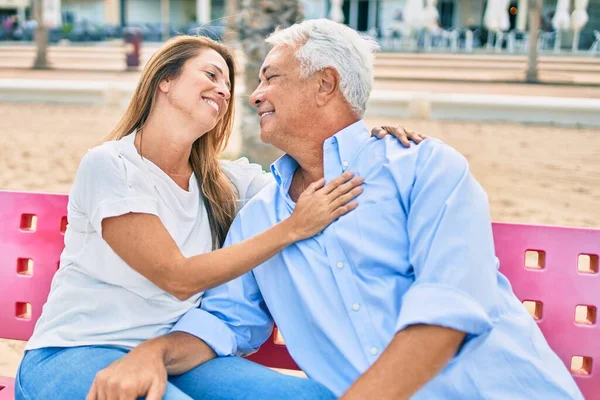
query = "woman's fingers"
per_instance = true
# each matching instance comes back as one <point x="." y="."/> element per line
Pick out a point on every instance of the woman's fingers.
<point x="399" y="133"/>
<point x="345" y="188"/>
<point x="337" y="182"/>
<point x="344" y="209"/>
<point x="378" y="132"/>
<point x="346" y="198"/>
<point x="313" y="187"/>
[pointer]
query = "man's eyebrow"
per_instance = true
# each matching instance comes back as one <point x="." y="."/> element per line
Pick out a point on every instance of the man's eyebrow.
<point x="221" y="72"/>
<point x="265" y="68"/>
<point x="268" y="67"/>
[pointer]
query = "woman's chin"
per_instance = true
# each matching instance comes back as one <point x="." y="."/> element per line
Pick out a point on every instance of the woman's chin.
<point x="206" y="124"/>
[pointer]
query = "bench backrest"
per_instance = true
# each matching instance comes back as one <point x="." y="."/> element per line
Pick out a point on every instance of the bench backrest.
<point x="554" y="270"/>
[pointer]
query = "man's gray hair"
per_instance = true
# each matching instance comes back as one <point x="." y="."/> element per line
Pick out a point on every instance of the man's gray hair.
<point x="323" y="43"/>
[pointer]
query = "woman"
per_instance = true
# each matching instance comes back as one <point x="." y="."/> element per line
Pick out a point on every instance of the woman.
<point x="147" y="213"/>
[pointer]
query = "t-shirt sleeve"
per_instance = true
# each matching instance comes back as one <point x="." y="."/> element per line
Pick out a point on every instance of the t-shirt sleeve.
<point x="248" y="178"/>
<point x="105" y="186"/>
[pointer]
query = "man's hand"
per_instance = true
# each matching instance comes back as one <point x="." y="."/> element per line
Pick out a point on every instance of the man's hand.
<point x="414" y="357"/>
<point x="400" y="133"/>
<point x="141" y="373"/>
<point x="144" y="371"/>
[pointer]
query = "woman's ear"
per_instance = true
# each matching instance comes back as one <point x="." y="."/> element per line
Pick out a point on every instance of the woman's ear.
<point x="165" y="85"/>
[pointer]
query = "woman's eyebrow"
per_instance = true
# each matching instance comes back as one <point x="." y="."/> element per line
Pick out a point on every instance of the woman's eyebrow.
<point x="221" y="72"/>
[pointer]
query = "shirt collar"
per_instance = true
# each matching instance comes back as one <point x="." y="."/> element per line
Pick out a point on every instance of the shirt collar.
<point x="283" y="170"/>
<point x="346" y="143"/>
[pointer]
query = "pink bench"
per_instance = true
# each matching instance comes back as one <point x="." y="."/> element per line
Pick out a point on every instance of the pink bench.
<point x="553" y="270"/>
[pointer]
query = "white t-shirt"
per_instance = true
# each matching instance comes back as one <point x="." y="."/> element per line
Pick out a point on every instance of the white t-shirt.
<point x="96" y="298"/>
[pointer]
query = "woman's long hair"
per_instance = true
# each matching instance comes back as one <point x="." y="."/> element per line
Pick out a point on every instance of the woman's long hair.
<point x="167" y="63"/>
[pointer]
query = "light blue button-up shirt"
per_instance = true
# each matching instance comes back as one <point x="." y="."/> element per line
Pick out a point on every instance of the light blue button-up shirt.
<point x="417" y="250"/>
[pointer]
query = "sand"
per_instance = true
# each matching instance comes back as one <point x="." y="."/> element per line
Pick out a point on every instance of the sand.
<point x="532" y="174"/>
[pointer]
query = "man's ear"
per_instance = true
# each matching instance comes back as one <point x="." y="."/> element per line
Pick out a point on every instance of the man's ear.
<point x="328" y="81"/>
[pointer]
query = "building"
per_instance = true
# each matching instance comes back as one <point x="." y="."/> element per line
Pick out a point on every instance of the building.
<point x="363" y="15"/>
<point x="13" y="7"/>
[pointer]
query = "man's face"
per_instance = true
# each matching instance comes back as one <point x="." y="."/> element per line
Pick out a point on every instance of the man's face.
<point x="283" y="99"/>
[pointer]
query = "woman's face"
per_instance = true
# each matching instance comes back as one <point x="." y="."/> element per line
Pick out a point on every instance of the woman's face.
<point x="201" y="93"/>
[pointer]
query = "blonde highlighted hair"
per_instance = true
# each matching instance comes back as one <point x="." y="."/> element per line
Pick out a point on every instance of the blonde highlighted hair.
<point x="167" y="63"/>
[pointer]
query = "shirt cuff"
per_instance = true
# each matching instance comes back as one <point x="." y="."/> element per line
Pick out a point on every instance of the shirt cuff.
<point x="210" y="329"/>
<point x="436" y="304"/>
<point x="107" y="209"/>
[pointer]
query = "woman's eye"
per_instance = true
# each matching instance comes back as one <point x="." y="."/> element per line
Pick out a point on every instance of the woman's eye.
<point x="211" y="75"/>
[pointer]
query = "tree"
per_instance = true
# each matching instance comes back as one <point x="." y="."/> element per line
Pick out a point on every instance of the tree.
<point x="41" y="36"/>
<point x="165" y="10"/>
<point x="535" y="15"/>
<point x="258" y="19"/>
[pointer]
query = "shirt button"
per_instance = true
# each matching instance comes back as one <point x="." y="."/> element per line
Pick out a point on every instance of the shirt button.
<point x="374" y="350"/>
<point x="356" y="307"/>
<point x="345" y="164"/>
<point x="340" y="265"/>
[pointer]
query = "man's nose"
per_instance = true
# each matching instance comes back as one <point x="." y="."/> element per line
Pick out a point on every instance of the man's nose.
<point x="256" y="97"/>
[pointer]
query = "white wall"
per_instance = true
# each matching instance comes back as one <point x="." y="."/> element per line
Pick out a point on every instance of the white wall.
<point x="183" y="11"/>
<point x="142" y="11"/>
<point x="148" y="11"/>
<point x="387" y="10"/>
<point x="468" y="13"/>
<point x="90" y="10"/>
<point x="313" y="8"/>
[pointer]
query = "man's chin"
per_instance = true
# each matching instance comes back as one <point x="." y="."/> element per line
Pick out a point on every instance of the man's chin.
<point x="265" y="136"/>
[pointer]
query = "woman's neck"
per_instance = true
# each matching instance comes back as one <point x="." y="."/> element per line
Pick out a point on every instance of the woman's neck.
<point x="167" y="141"/>
<point x="166" y="146"/>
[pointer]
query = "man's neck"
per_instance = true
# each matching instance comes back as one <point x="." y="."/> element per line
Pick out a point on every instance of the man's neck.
<point x="310" y="168"/>
<point x="310" y="165"/>
<point x="308" y="152"/>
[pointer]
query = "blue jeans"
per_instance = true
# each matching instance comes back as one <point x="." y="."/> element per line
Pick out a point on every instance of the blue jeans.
<point x="67" y="374"/>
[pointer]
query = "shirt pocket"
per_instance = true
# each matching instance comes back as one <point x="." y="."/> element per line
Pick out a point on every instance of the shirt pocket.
<point x="374" y="236"/>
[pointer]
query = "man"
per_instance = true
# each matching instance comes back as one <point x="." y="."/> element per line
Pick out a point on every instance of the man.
<point x="400" y="298"/>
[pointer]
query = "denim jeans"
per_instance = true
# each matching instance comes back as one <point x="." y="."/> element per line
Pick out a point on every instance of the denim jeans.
<point x="68" y="373"/>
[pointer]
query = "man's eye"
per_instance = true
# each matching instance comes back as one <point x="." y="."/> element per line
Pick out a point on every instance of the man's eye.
<point x="271" y="77"/>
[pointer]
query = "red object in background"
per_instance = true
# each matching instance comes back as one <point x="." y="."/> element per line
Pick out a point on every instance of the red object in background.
<point x="133" y="46"/>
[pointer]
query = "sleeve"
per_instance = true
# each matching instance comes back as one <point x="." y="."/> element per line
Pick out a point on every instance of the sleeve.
<point x="102" y="188"/>
<point x="233" y="318"/>
<point x="451" y="246"/>
<point x="248" y="178"/>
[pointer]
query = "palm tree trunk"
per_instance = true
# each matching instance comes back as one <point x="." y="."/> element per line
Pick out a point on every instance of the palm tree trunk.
<point x="535" y="14"/>
<point x="258" y="19"/>
<point x="41" y="37"/>
<point x="231" y="22"/>
<point x="165" y="9"/>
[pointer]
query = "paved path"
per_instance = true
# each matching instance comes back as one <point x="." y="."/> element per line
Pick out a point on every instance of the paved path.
<point x="434" y="86"/>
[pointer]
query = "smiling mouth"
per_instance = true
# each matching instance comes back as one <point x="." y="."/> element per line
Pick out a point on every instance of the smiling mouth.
<point x="266" y="114"/>
<point x="211" y="103"/>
